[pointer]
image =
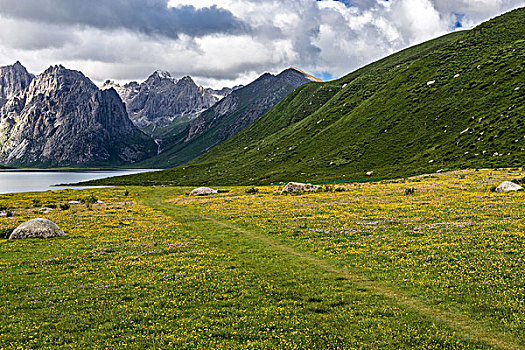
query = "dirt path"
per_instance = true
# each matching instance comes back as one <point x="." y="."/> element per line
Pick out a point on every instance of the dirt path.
<point x="464" y="325"/>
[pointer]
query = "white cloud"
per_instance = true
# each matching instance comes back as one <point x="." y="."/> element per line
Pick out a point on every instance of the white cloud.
<point x="318" y="36"/>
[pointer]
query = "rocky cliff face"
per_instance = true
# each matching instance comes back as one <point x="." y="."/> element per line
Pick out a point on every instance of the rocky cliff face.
<point x="13" y="79"/>
<point x="162" y="99"/>
<point x="63" y="119"/>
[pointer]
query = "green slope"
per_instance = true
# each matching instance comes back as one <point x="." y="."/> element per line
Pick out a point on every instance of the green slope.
<point x="386" y="118"/>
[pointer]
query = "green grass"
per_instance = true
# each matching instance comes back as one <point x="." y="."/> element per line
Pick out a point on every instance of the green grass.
<point x="385" y="118"/>
<point x="356" y="266"/>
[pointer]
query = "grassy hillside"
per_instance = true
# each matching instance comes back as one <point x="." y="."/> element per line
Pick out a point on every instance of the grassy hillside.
<point x="453" y="102"/>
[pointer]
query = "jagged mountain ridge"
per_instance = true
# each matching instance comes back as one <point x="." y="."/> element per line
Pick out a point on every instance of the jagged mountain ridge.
<point x="227" y="117"/>
<point x="63" y="119"/>
<point x="13" y="79"/>
<point x="161" y="100"/>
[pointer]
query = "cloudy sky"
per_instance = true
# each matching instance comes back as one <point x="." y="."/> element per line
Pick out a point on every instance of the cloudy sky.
<point x="224" y="42"/>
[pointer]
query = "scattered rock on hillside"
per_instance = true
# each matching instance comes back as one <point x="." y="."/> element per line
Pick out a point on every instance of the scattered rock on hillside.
<point x="369" y="173"/>
<point x="507" y="186"/>
<point x="37" y="228"/>
<point x="202" y="191"/>
<point x="297" y="187"/>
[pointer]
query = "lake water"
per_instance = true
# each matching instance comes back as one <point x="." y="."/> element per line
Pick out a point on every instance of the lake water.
<point x="12" y="181"/>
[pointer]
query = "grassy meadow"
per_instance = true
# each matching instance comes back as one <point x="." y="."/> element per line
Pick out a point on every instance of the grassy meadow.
<point x="429" y="262"/>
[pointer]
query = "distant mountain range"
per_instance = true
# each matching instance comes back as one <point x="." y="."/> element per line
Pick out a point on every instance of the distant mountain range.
<point x="60" y="118"/>
<point x="454" y="102"/>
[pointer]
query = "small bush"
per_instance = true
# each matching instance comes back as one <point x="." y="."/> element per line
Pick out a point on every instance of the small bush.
<point x="9" y="214"/>
<point x="252" y="190"/>
<point x="340" y="189"/>
<point x="36" y="203"/>
<point x="89" y="200"/>
<point x="52" y="206"/>
<point x="3" y="207"/>
<point x="328" y="188"/>
<point x="65" y="206"/>
<point x="126" y="193"/>
<point x="410" y="191"/>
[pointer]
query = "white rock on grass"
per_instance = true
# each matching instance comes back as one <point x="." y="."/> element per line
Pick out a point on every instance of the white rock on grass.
<point x="369" y="173"/>
<point x="203" y="191"/>
<point x="507" y="186"/>
<point x="298" y="187"/>
<point x="37" y="228"/>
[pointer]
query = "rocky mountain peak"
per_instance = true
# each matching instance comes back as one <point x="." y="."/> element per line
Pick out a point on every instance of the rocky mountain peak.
<point x="58" y="81"/>
<point x="109" y="84"/>
<point x="13" y="79"/>
<point x="64" y="76"/>
<point x="159" y="77"/>
<point x="293" y="71"/>
<point x="187" y="79"/>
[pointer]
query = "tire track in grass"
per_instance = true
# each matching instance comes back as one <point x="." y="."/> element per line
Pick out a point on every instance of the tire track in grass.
<point x="469" y="328"/>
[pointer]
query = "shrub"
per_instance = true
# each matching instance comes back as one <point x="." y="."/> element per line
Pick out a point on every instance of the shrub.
<point x="252" y="190"/>
<point x="3" y="207"/>
<point x="328" y="188"/>
<point x="89" y="200"/>
<point x="65" y="206"/>
<point x="519" y="181"/>
<point x="410" y="191"/>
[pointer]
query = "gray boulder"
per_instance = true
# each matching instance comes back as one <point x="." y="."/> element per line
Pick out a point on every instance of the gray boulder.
<point x="298" y="187"/>
<point x="37" y="228"/>
<point x="202" y="191"/>
<point x="507" y="186"/>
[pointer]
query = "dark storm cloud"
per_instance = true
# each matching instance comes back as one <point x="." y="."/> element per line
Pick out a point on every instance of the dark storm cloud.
<point x="151" y="17"/>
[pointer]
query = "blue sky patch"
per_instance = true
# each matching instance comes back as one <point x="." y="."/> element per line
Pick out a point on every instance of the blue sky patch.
<point x="324" y="76"/>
